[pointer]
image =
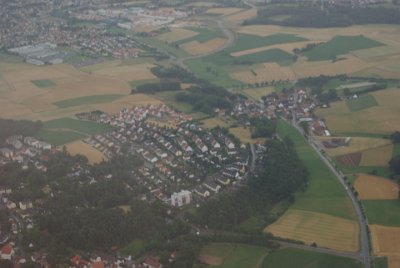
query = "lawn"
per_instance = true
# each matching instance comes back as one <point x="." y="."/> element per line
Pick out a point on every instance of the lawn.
<point x="361" y="103"/>
<point x="324" y="193"/>
<point x="235" y="255"/>
<point x="59" y="137"/>
<point x="83" y="127"/>
<point x="340" y="45"/>
<point x="383" y="212"/>
<point x="95" y="99"/>
<point x="44" y="83"/>
<point x="290" y="257"/>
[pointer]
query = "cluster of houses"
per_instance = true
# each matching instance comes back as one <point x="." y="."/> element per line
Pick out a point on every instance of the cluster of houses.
<point x="25" y="150"/>
<point x="96" y="261"/>
<point x="177" y="161"/>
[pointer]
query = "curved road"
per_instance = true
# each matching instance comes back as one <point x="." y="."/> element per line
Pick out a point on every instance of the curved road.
<point x="365" y="249"/>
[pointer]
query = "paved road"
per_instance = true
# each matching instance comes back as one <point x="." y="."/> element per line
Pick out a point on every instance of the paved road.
<point x="364" y="253"/>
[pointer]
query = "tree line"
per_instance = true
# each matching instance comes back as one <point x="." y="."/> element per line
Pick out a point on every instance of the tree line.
<point x="22" y="127"/>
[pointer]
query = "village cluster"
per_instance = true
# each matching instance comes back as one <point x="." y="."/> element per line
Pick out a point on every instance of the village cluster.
<point x="178" y="162"/>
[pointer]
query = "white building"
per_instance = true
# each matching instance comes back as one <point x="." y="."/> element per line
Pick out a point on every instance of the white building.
<point x="184" y="197"/>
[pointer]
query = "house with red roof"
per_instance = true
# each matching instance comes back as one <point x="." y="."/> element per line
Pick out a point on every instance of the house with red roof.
<point x="7" y="252"/>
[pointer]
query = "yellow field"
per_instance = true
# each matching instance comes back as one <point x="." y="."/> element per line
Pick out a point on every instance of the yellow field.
<point x="214" y="122"/>
<point x="377" y="157"/>
<point x="129" y="72"/>
<point x="357" y="144"/>
<point x="244" y="15"/>
<point x="223" y="10"/>
<point x="197" y="48"/>
<point x="257" y="93"/>
<point x="381" y="119"/>
<point x="176" y="34"/>
<point x="386" y="242"/>
<point x="79" y="147"/>
<point x="244" y="135"/>
<point x="21" y="99"/>
<point x="269" y="72"/>
<point x="325" y="230"/>
<point x="376" y="188"/>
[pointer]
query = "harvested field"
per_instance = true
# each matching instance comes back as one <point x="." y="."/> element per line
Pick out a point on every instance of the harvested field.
<point x="393" y="261"/>
<point x="371" y="187"/>
<point x="197" y="48"/>
<point x="350" y="160"/>
<point x="377" y="157"/>
<point x="176" y="34"/>
<point x="257" y="93"/>
<point x="79" y="147"/>
<point x="223" y="10"/>
<point x="356" y="144"/>
<point x="270" y="72"/>
<point x="244" y="15"/>
<point x="129" y="72"/>
<point x="244" y="135"/>
<point x="327" y="231"/>
<point x="386" y="240"/>
<point x="381" y="119"/>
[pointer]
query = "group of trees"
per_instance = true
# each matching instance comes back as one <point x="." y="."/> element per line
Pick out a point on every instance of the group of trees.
<point x="205" y="98"/>
<point x="263" y="127"/>
<point x="314" y="16"/>
<point x="394" y="163"/>
<point x="175" y="73"/>
<point x="283" y="174"/>
<point x="23" y="127"/>
<point x="163" y="85"/>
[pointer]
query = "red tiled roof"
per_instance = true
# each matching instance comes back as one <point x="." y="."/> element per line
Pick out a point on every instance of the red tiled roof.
<point x="7" y="249"/>
<point x="98" y="264"/>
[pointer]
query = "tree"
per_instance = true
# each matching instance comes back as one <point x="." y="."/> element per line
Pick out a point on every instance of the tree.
<point x="394" y="165"/>
<point x="395" y="137"/>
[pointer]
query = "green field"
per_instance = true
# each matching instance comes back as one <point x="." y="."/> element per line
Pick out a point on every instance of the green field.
<point x="340" y="45"/>
<point x="136" y="83"/>
<point x="95" y="99"/>
<point x="203" y="35"/>
<point x="296" y="258"/>
<point x="213" y="73"/>
<point x="43" y="83"/>
<point x="324" y="193"/>
<point x="383" y="212"/>
<point x="59" y="137"/>
<point x="80" y="126"/>
<point x="361" y="103"/>
<point x="381" y="262"/>
<point x="396" y="149"/>
<point x="247" y="41"/>
<point x="169" y="98"/>
<point x="236" y="255"/>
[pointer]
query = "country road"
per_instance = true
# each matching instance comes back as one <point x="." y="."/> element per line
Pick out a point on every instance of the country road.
<point x="365" y="249"/>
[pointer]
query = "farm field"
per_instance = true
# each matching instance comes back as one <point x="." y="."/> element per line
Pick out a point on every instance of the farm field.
<point x="324" y="193"/>
<point x="223" y="10"/>
<point x="94" y="87"/>
<point x="350" y="160"/>
<point x="361" y="103"/>
<point x="290" y="257"/>
<point x="94" y="156"/>
<point x="386" y="242"/>
<point x="243" y="15"/>
<point x="378" y="156"/>
<point x="85" y="127"/>
<point x="383" y="212"/>
<point x="257" y="93"/>
<point x="356" y="144"/>
<point x="203" y="35"/>
<point x="198" y="48"/>
<point x="371" y="187"/>
<point x="380" y="119"/>
<point x="59" y="137"/>
<point x="327" y="231"/>
<point x="176" y="34"/>
<point x="227" y="255"/>
<point x="340" y="45"/>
